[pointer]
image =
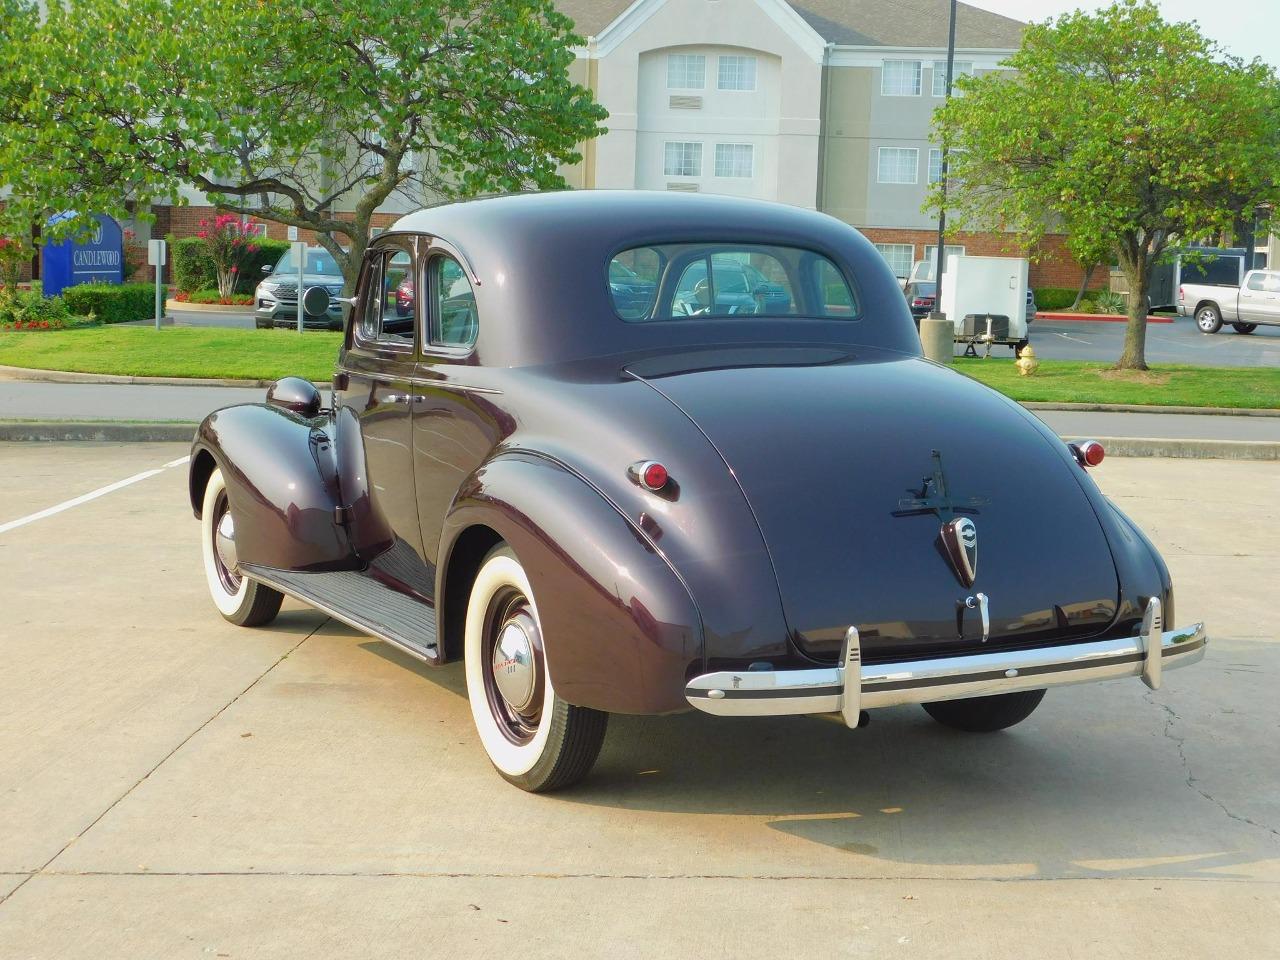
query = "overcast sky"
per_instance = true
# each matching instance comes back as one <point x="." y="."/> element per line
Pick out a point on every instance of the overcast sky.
<point x="1246" y="28"/>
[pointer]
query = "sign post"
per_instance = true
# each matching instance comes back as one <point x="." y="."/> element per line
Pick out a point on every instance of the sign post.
<point x="300" y="254"/>
<point x="156" y="258"/>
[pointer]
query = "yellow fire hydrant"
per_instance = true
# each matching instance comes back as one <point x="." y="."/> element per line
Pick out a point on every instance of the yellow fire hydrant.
<point x="1027" y="362"/>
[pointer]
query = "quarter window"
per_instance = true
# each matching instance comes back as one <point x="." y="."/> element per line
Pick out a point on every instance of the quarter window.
<point x="682" y="158"/>
<point x="736" y="73"/>
<point x="387" y="304"/>
<point x="735" y="160"/>
<point x="900" y="78"/>
<point x="453" y="304"/>
<point x="897" y="165"/>
<point x="686" y="71"/>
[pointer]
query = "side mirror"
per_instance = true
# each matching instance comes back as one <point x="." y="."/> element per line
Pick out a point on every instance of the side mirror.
<point x="267" y="268"/>
<point x="296" y="395"/>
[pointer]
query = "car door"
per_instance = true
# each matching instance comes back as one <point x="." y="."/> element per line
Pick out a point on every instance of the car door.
<point x="457" y="419"/>
<point x="1260" y="297"/>
<point x="375" y="385"/>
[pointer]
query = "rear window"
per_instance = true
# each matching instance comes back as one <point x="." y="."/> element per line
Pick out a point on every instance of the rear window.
<point x="683" y="281"/>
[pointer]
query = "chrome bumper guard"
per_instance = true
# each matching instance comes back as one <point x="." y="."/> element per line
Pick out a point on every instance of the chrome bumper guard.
<point x="853" y="686"/>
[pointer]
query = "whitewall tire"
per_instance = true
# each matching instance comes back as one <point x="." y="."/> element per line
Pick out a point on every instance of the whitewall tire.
<point x="533" y="738"/>
<point x="244" y="602"/>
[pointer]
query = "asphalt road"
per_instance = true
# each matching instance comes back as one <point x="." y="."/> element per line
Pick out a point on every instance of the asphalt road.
<point x="1177" y="342"/>
<point x="172" y="786"/>
<point x="29" y="400"/>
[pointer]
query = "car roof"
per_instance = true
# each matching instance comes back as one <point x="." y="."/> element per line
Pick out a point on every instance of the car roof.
<point x="532" y="254"/>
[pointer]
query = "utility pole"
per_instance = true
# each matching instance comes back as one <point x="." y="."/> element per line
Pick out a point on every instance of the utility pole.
<point x="936" y="331"/>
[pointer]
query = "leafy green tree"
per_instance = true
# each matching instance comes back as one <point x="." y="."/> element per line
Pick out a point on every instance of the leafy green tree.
<point x="1128" y="132"/>
<point x="311" y="115"/>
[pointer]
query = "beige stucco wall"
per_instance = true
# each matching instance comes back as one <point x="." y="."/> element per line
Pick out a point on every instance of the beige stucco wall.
<point x="784" y="107"/>
<point x="847" y="155"/>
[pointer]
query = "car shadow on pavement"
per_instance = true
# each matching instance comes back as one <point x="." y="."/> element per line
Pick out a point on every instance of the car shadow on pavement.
<point x="1103" y="780"/>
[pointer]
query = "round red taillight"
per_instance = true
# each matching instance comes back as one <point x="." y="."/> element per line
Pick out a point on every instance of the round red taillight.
<point x="654" y="475"/>
<point x="1092" y="452"/>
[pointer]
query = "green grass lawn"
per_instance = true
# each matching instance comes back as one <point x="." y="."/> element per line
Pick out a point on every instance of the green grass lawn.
<point x="177" y="352"/>
<point x="1072" y="381"/>
<point x="270" y="354"/>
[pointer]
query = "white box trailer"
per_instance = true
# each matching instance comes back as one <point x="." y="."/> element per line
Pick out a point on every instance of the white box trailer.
<point x="981" y="287"/>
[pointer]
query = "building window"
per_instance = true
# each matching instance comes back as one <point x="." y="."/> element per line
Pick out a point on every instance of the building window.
<point x="935" y="165"/>
<point x="735" y="160"/>
<point x="900" y="78"/>
<point x="682" y="158"/>
<point x="686" y="71"/>
<point x="930" y="252"/>
<point x="898" y="165"/>
<point x="737" y="73"/>
<point x="961" y="68"/>
<point x="898" y="257"/>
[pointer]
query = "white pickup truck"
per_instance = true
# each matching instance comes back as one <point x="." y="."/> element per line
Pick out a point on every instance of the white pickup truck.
<point x="1254" y="302"/>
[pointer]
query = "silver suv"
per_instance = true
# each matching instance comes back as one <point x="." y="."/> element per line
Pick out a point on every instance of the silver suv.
<point x="276" y="298"/>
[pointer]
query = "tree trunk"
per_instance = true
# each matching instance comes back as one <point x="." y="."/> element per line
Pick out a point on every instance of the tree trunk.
<point x="1084" y="285"/>
<point x="1134" y="356"/>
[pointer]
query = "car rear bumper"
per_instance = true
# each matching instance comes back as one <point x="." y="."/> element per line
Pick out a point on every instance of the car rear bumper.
<point x="853" y="686"/>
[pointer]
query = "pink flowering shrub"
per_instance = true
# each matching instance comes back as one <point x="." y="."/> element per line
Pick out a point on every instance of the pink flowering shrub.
<point x="230" y="241"/>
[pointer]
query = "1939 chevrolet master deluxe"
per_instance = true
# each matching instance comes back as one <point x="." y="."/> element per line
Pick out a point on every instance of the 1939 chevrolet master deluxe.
<point x="633" y="452"/>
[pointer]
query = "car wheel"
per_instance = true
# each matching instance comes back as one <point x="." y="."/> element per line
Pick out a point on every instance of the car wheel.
<point x="985" y="714"/>
<point x="1245" y="327"/>
<point x="1208" y="319"/>
<point x="244" y="602"/>
<point x="533" y="738"/>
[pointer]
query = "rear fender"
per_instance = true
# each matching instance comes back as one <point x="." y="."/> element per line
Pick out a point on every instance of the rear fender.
<point x="281" y="477"/>
<point x="620" y="628"/>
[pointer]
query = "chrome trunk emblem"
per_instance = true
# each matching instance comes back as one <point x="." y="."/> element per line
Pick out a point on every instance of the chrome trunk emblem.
<point x="960" y="541"/>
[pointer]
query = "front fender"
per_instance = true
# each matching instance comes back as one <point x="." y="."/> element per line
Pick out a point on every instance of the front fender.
<point x="281" y="485"/>
<point x="621" y="630"/>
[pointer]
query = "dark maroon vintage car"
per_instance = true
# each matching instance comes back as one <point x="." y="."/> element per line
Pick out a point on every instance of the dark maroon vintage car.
<point x="637" y="452"/>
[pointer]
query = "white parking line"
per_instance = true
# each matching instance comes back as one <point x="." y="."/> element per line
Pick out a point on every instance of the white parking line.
<point x="1087" y="343"/>
<point x="86" y="497"/>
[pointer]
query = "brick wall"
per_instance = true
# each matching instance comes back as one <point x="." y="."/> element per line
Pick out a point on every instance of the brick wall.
<point x="1051" y="266"/>
<point x="185" y="222"/>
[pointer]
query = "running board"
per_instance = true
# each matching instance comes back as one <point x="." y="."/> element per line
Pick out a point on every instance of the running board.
<point x="362" y="603"/>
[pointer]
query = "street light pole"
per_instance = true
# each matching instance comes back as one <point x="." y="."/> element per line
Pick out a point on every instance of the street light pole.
<point x="936" y="331"/>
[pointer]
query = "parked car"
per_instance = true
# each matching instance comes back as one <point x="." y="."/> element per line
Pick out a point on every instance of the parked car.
<point x="1031" y="305"/>
<point x="781" y="511"/>
<point x="276" y="298"/>
<point x="1256" y="301"/>
<point x="921" y="296"/>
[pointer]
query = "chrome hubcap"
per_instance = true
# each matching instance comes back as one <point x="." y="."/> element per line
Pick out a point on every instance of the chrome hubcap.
<point x="224" y="542"/>
<point x="514" y="671"/>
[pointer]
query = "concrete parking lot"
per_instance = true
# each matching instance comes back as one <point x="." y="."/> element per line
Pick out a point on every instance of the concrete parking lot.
<point x="172" y="786"/>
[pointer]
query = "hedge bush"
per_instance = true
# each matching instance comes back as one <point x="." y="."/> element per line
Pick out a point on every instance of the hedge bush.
<point x="1054" y="298"/>
<point x="190" y="265"/>
<point x="193" y="268"/>
<point x="20" y="307"/>
<point x="112" y="303"/>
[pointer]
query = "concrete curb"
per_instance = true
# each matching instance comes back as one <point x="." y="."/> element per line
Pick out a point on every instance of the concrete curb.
<point x="121" y="432"/>
<point x="64" y="376"/>
<point x="1188" y="449"/>
<point x="1140" y="408"/>
<point x="100" y="430"/>
<point x="1095" y="317"/>
<point x="186" y="306"/>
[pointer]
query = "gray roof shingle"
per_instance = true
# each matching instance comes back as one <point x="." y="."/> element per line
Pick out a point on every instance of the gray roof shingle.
<point x="885" y="23"/>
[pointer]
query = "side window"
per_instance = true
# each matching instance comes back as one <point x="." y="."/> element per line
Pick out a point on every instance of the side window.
<point x="387" y="301"/>
<point x="1256" y="281"/>
<point x="453" y="304"/>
